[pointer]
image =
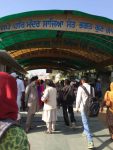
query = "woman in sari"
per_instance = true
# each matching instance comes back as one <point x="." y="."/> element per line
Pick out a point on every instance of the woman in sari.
<point x="108" y="102"/>
<point x="12" y="136"/>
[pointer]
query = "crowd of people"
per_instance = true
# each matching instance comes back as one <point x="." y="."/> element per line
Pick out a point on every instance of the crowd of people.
<point x="38" y="94"/>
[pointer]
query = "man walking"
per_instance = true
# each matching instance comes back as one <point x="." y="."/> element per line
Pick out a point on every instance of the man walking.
<point x="67" y="104"/>
<point x="31" y="99"/>
<point x="81" y="100"/>
<point x="20" y="93"/>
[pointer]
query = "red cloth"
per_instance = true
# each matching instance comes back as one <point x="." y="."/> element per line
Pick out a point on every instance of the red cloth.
<point x="8" y="96"/>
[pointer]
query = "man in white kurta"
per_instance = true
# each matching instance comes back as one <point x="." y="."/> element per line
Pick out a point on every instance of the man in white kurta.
<point x="49" y="110"/>
<point x="20" y="92"/>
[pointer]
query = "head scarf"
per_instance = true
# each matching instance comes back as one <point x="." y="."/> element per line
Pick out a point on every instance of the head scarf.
<point x="111" y="86"/>
<point x="8" y="96"/>
<point x="14" y="75"/>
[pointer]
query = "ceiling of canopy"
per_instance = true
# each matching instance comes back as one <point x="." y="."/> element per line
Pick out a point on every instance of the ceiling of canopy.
<point x="57" y="49"/>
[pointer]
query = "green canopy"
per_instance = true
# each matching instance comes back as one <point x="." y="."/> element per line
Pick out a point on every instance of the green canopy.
<point x="57" y="48"/>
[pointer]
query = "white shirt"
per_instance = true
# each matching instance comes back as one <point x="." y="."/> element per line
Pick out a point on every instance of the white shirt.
<point x="20" y="89"/>
<point x="82" y="96"/>
<point x="50" y="93"/>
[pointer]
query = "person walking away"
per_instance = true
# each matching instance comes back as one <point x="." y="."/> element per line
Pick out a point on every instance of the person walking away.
<point x="49" y="110"/>
<point x="81" y="100"/>
<point x="20" y="93"/>
<point x="67" y="101"/>
<point x="12" y="136"/>
<point x="108" y="102"/>
<point x="31" y="99"/>
<point x="59" y="86"/>
<point x="98" y="89"/>
<point x="40" y="90"/>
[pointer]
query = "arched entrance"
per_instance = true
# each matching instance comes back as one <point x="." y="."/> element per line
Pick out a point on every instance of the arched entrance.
<point x="58" y="39"/>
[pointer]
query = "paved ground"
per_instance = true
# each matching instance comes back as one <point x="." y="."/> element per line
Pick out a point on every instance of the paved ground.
<point x="66" y="138"/>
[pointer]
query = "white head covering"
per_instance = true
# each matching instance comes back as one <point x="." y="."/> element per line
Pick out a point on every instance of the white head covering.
<point x="14" y="74"/>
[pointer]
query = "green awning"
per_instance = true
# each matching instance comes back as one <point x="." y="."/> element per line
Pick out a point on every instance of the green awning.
<point x="83" y="49"/>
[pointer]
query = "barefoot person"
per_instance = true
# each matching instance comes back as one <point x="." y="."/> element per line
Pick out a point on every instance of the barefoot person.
<point x="49" y="110"/>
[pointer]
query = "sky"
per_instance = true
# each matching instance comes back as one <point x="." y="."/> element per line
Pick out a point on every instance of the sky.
<point x="40" y="72"/>
<point x="96" y="7"/>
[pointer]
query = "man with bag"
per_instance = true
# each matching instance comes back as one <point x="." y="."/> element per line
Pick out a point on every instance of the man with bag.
<point x="81" y="100"/>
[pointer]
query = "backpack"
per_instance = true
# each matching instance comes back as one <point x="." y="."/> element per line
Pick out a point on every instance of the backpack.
<point x="92" y="105"/>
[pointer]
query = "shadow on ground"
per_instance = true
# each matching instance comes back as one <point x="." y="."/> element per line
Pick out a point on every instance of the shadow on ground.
<point x="69" y="137"/>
